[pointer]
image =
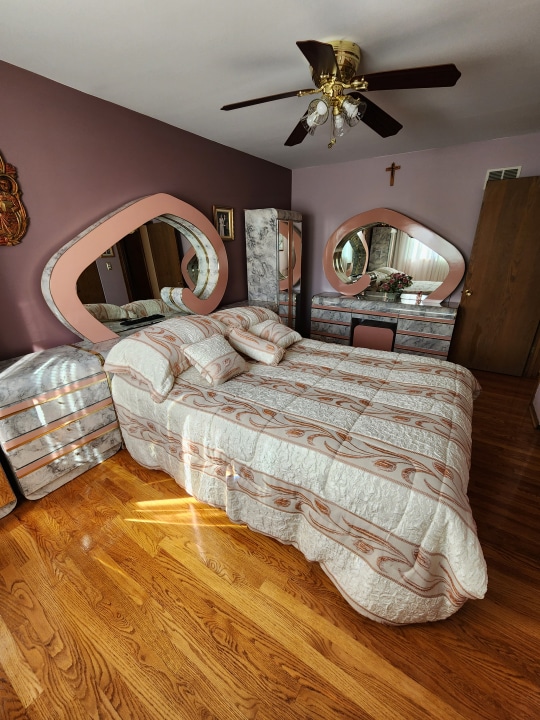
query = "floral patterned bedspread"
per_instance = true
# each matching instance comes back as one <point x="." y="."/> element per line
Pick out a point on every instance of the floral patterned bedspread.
<point x="359" y="458"/>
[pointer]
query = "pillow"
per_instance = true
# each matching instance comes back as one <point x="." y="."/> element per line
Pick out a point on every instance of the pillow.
<point x="154" y="357"/>
<point x="215" y="359"/>
<point x="255" y="347"/>
<point x="144" y="308"/>
<point x="244" y="317"/>
<point x="276" y="333"/>
<point x="148" y="362"/>
<point x="106" y="311"/>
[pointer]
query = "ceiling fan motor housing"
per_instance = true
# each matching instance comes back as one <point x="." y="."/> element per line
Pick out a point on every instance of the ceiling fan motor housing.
<point x="348" y="58"/>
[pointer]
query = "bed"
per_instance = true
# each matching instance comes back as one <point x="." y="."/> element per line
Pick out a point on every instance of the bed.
<point x="359" y="458"/>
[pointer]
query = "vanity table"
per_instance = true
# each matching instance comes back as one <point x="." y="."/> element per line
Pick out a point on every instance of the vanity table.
<point x="419" y="329"/>
<point x="361" y="256"/>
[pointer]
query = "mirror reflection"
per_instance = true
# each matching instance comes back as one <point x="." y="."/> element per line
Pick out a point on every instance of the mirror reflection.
<point x="289" y="253"/>
<point x="350" y="256"/>
<point x="289" y="269"/>
<point x="125" y="283"/>
<point x="390" y="251"/>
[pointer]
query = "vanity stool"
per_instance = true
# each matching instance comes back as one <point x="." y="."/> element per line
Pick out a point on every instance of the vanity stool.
<point x="373" y="334"/>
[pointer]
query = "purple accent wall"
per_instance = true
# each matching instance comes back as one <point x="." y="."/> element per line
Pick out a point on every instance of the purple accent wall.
<point x="441" y="188"/>
<point x="78" y="158"/>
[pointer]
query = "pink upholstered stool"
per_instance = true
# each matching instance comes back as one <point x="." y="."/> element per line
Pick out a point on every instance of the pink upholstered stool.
<point x="373" y="336"/>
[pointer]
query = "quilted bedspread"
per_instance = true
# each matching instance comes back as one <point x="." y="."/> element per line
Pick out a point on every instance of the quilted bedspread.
<point x="357" y="457"/>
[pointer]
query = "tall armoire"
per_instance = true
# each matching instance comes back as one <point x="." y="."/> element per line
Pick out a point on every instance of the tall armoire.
<point x="274" y="260"/>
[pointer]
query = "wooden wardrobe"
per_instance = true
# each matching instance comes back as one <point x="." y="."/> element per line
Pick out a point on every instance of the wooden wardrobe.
<point x="498" y="322"/>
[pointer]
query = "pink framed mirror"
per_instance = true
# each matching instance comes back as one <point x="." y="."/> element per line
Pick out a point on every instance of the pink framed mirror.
<point x="405" y="245"/>
<point x="59" y="279"/>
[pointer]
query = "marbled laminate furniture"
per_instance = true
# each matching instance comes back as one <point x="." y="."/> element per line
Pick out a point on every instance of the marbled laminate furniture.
<point x="274" y="259"/>
<point x="7" y="496"/>
<point x="420" y="330"/>
<point x="57" y="418"/>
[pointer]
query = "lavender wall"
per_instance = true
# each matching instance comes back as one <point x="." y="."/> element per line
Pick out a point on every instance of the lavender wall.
<point x="78" y="158"/>
<point x="442" y="189"/>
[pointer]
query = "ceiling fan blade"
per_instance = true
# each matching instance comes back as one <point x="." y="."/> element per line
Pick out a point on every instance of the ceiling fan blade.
<point x="267" y="98"/>
<point x="321" y="57"/>
<point x="298" y="134"/>
<point x="377" y="119"/>
<point x="420" y="77"/>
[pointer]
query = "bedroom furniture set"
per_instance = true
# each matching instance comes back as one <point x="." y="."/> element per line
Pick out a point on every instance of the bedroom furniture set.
<point x="358" y="457"/>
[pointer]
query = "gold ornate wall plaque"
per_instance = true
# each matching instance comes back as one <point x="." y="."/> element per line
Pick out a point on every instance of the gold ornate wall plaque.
<point x="13" y="217"/>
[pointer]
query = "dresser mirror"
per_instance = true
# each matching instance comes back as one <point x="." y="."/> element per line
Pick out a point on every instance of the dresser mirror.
<point x="206" y="265"/>
<point x="380" y="242"/>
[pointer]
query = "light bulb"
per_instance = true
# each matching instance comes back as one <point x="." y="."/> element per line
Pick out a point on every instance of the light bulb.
<point x="338" y="123"/>
<point x="353" y="108"/>
<point x="317" y="114"/>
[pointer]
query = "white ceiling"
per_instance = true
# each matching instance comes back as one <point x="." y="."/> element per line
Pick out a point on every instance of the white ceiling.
<point x="181" y="60"/>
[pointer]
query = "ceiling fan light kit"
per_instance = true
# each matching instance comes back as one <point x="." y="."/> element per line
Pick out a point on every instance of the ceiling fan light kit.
<point x="334" y="67"/>
<point x="317" y="114"/>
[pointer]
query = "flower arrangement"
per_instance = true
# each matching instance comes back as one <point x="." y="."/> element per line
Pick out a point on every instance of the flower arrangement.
<point x="396" y="282"/>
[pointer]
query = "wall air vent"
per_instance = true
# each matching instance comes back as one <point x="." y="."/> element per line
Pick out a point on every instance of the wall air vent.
<point x="503" y="174"/>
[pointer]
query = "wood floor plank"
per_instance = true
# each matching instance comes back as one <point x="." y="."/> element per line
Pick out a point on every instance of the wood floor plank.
<point x="223" y="638"/>
<point x="18" y="673"/>
<point x="343" y="651"/>
<point x="288" y="630"/>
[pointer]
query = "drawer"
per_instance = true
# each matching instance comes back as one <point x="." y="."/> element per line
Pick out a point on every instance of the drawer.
<point x="327" y="315"/>
<point x="425" y="327"/>
<point x="341" y="331"/>
<point x="68" y="462"/>
<point x="430" y="346"/>
<point x="57" y="406"/>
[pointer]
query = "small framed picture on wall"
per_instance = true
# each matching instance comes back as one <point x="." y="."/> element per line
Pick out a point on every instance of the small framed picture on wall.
<point x="224" y="222"/>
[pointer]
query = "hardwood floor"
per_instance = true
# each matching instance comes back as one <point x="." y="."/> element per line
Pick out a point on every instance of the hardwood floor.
<point x="122" y="597"/>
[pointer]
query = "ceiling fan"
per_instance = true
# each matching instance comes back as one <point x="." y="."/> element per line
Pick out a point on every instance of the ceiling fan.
<point x="334" y="68"/>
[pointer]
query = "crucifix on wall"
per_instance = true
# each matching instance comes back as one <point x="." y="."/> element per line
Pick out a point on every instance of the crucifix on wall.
<point x="392" y="170"/>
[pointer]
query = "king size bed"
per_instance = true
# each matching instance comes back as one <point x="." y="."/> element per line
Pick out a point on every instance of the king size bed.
<point x="357" y="457"/>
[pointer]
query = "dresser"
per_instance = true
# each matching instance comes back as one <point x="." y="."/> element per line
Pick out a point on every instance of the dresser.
<point x="57" y="418"/>
<point x="417" y="329"/>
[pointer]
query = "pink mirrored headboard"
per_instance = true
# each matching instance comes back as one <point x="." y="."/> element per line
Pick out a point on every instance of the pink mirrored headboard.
<point x="393" y="219"/>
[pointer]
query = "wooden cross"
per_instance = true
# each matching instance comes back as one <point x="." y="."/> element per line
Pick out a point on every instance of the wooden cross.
<point x="392" y="170"/>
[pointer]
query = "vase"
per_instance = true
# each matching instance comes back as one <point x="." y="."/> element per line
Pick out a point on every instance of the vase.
<point x="383" y="296"/>
<point x="390" y="296"/>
